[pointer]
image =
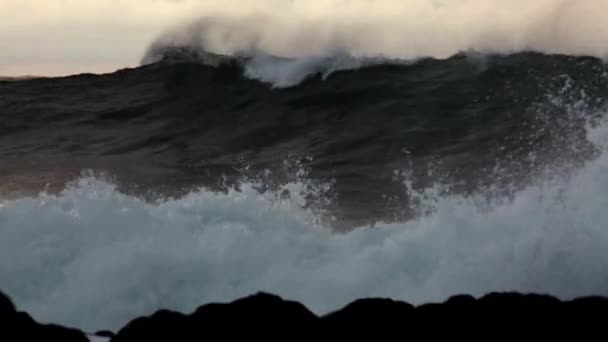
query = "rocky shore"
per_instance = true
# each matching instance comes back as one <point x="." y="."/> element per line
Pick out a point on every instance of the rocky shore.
<point x="268" y="316"/>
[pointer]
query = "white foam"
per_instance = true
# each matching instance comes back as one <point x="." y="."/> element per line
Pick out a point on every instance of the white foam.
<point x="290" y="72"/>
<point x="311" y="31"/>
<point x="283" y="73"/>
<point x="94" y="258"/>
<point x="398" y="29"/>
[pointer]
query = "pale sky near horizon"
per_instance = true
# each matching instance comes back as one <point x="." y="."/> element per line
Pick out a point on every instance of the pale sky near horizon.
<point x="58" y="37"/>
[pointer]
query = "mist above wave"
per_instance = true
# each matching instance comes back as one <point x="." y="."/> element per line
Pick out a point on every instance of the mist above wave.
<point x="324" y="36"/>
<point x="404" y="29"/>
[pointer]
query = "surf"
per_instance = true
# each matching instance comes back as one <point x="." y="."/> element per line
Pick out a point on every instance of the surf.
<point x="214" y="246"/>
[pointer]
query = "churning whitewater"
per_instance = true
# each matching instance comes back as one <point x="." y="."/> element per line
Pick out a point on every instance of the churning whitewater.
<point x="94" y="258"/>
<point x="316" y="153"/>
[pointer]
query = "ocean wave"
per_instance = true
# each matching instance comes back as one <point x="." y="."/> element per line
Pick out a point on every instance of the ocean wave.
<point x="416" y="181"/>
<point x="475" y="121"/>
<point x="310" y="36"/>
<point x="280" y="72"/>
<point x="93" y="257"/>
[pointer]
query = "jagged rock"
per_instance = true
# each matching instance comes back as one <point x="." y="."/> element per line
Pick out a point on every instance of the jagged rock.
<point x="19" y="326"/>
<point x="268" y="316"/>
<point x="258" y="315"/>
<point x="265" y="316"/>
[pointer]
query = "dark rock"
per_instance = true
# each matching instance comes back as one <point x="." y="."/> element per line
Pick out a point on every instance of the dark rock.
<point x="162" y="326"/>
<point x="267" y="316"/>
<point x="52" y="332"/>
<point x="105" y="333"/>
<point x="461" y="301"/>
<point x="377" y="313"/>
<point x="519" y="300"/>
<point x="458" y="309"/>
<point x="257" y="315"/>
<point x="6" y="306"/>
<point x="261" y="309"/>
<point x="589" y="303"/>
<point x="19" y="326"/>
<point x="522" y="309"/>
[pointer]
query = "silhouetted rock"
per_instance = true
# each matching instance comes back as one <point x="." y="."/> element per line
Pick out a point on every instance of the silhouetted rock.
<point x="161" y="326"/>
<point x="6" y="306"/>
<point x="588" y="303"/>
<point x="522" y="310"/>
<point x="516" y="300"/>
<point x="363" y="313"/>
<point x="19" y="326"/>
<point x="461" y="301"/>
<point x="247" y="310"/>
<point x="258" y="315"/>
<point x="105" y="333"/>
<point x="265" y="316"/>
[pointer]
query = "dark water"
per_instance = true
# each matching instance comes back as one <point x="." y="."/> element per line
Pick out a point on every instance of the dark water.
<point x="473" y="122"/>
<point x="367" y="145"/>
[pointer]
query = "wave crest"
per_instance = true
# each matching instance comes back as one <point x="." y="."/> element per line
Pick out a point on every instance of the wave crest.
<point x="316" y="31"/>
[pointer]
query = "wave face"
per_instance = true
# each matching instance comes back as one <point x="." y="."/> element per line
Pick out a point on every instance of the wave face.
<point x="412" y="180"/>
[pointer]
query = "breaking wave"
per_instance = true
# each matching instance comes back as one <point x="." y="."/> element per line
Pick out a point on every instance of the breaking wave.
<point x="313" y="36"/>
<point x="94" y="258"/>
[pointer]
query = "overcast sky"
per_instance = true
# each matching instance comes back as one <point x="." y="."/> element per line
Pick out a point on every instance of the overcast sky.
<point x="66" y="36"/>
<point x="55" y="37"/>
